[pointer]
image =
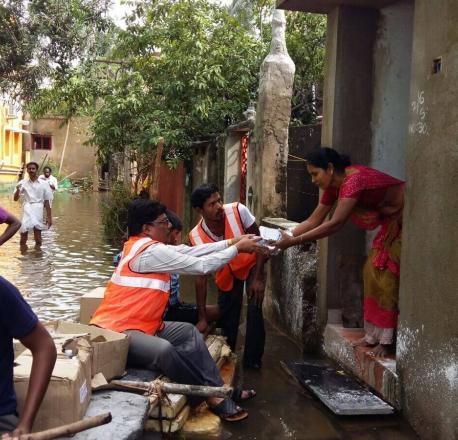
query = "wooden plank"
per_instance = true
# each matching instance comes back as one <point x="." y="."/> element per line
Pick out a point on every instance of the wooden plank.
<point x="171" y="408"/>
<point x="169" y="425"/>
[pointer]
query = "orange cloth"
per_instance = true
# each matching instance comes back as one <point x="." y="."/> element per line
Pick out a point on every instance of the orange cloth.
<point x="134" y="301"/>
<point x="241" y="265"/>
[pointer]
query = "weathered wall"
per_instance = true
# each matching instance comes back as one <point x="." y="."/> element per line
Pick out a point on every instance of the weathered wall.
<point x="390" y="111"/>
<point x="427" y="349"/>
<point x="346" y="127"/>
<point x="291" y="291"/>
<point x="302" y="194"/>
<point x="78" y="157"/>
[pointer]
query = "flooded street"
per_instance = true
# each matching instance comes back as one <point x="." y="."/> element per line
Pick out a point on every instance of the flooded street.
<point x="75" y="258"/>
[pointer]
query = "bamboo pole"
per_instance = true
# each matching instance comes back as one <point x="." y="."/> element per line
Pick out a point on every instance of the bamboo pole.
<point x="69" y="429"/>
<point x="65" y="146"/>
<point x="172" y="388"/>
<point x="154" y="187"/>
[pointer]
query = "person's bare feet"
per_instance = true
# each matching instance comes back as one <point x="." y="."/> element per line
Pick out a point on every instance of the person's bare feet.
<point x="381" y="350"/>
<point x="361" y="343"/>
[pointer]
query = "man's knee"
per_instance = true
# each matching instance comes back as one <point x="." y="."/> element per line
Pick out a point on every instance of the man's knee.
<point x="162" y="349"/>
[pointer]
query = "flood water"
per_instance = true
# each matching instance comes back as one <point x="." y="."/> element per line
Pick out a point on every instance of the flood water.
<point x="75" y="258"/>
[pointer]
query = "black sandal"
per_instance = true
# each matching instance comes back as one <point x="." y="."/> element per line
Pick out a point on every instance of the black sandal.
<point x="230" y="412"/>
<point x="237" y="394"/>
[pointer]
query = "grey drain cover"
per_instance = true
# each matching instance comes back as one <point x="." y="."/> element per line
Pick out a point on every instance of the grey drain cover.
<point x="341" y="393"/>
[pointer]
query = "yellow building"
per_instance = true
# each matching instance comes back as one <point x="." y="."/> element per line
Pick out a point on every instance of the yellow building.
<point x="11" y="152"/>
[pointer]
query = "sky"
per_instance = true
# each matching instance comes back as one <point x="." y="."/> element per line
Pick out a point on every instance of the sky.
<point x="118" y="10"/>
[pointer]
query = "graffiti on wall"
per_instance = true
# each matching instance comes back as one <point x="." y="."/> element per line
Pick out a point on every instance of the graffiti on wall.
<point x="418" y="124"/>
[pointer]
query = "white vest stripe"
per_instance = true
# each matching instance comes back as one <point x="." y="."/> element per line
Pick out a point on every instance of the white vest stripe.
<point x="145" y="283"/>
<point x="230" y="215"/>
<point x="133" y="250"/>
<point x="196" y="237"/>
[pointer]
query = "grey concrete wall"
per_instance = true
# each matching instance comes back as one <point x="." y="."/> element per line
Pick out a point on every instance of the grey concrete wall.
<point x="291" y="291"/>
<point x="390" y="112"/>
<point x="346" y="127"/>
<point x="78" y="157"/>
<point x="427" y="349"/>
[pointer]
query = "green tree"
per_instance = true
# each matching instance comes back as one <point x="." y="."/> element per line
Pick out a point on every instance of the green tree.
<point x="42" y="40"/>
<point x="305" y="40"/>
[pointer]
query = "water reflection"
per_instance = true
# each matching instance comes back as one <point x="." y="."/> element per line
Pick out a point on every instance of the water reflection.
<point x="73" y="259"/>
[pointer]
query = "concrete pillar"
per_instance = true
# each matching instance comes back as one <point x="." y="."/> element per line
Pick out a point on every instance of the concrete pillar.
<point x="346" y="127"/>
<point x="232" y="168"/>
<point x="268" y="154"/>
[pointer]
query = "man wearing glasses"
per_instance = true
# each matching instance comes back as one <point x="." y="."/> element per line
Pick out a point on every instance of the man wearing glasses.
<point x="138" y="292"/>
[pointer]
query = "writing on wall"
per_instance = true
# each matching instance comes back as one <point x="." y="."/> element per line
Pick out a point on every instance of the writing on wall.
<point x="418" y="124"/>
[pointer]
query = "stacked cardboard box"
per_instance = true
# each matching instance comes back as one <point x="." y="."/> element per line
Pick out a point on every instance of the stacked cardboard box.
<point x="89" y="303"/>
<point x="109" y="349"/>
<point x="69" y="390"/>
<point x="82" y="352"/>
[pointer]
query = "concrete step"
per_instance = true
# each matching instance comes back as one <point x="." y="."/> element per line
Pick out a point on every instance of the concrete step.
<point x="379" y="373"/>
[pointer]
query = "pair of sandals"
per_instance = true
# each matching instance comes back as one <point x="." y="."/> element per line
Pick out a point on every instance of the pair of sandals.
<point x="228" y="410"/>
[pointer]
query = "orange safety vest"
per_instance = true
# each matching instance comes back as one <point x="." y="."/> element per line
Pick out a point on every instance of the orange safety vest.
<point x="134" y="301"/>
<point x="241" y="265"/>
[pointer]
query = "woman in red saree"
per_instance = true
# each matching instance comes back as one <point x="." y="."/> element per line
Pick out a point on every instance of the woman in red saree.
<point x="371" y="199"/>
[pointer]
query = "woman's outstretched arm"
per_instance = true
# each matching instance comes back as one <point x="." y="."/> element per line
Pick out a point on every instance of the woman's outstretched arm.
<point x="329" y="227"/>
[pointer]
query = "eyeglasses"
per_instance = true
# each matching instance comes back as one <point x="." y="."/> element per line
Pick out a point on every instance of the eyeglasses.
<point x="160" y="222"/>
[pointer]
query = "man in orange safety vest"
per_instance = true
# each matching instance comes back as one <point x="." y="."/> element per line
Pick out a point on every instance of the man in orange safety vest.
<point x="221" y="222"/>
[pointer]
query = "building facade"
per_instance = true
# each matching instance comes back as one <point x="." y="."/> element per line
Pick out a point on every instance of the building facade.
<point x="11" y="152"/>
<point x="389" y="101"/>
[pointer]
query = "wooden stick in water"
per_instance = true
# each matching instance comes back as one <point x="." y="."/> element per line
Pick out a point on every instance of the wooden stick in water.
<point x="69" y="429"/>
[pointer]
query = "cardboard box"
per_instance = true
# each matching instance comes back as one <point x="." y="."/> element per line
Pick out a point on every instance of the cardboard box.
<point x="89" y="303"/>
<point x="69" y="390"/>
<point x="109" y="349"/>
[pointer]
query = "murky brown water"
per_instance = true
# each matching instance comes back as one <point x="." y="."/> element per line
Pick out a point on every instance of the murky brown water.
<point x="75" y="258"/>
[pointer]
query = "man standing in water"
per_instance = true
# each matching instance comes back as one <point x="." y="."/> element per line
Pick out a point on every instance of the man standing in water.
<point x="52" y="181"/>
<point x="36" y="194"/>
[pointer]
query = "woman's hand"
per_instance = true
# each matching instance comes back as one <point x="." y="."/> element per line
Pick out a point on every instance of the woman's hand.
<point x="286" y="241"/>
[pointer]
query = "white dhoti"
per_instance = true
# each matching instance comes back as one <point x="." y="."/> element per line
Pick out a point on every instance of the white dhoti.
<point x="32" y="217"/>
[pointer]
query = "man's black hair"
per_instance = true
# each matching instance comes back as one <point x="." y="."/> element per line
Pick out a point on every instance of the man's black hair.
<point x="174" y="220"/>
<point x="32" y="163"/>
<point x="47" y="168"/>
<point x="202" y="193"/>
<point x="140" y="212"/>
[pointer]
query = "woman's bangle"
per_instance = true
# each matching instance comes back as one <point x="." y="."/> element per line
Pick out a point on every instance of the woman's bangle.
<point x="230" y="242"/>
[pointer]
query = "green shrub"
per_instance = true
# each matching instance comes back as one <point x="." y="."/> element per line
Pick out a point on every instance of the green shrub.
<point x="114" y="213"/>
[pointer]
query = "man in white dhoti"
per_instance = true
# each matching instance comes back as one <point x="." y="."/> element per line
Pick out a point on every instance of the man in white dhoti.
<point x="35" y="194"/>
<point x="51" y="180"/>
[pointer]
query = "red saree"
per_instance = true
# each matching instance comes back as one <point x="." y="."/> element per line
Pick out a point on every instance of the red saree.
<point x="382" y="268"/>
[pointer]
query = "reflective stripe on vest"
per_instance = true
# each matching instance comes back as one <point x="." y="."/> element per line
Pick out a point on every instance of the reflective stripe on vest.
<point x="134" y="301"/>
<point x="239" y="266"/>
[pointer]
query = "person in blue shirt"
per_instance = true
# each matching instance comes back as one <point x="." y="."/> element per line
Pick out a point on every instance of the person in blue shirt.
<point x="18" y="321"/>
<point x="176" y="309"/>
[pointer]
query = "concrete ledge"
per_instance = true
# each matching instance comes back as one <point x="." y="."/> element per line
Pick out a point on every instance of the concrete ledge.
<point x="291" y="290"/>
<point x="379" y="374"/>
<point x="129" y="412"/>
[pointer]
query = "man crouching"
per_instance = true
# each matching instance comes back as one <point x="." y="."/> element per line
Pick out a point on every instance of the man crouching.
<point x="137" y="295"/>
